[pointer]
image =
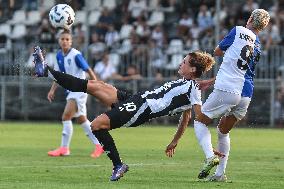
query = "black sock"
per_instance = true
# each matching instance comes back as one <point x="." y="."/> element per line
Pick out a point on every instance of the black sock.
<point x="69" y="82"/>
<point x="109" y="146"/>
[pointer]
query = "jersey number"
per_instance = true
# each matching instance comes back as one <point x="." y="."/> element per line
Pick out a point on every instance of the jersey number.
<point x="245" y="56"/>
<point x="130" y="107"/>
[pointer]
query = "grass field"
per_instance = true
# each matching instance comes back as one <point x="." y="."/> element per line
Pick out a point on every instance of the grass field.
<point x="256" y="161"/>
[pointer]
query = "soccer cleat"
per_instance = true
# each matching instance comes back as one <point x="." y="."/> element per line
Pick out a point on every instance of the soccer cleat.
<point x="61" y="151"/>
<point x="208" y="165"/>
<point x="118" y="172"/>
<point x="40" y="66"/>
<point x="98" y="151"/>
<point x="215" y="178"/>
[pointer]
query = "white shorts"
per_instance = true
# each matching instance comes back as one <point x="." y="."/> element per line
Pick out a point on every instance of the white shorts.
<point x="221" y="103"/>
<point x="81" y="100"/>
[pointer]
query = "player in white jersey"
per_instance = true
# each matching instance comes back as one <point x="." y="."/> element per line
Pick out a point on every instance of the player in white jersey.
<point x="232" y="92"/>
<point x="71" y="61"/>
<point x="173" y="97"/>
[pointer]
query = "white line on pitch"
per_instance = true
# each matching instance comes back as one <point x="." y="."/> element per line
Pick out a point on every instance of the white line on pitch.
<point x="91" y="165"/>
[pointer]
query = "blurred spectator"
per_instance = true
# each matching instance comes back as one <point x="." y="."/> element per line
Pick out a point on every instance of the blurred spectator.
<point x="96" y="49"/>
<point x="125" y="29"/>
<point x="168" y="5"/>
<point x="207" y="41"/>
<point x="46" y="33"/>
<point x="204" y="18"/>
<point x="7" y="8"/>
<point x="30" y="5"/>
<point x="105" y="69"/>
<point x="79" y="37"/>
<point x="142" y="29"/>
<point x="105" y="20"/>
<point x="184" y="24"/>
<point x="46" y="5"/>
<point x="136" y="7"/>
<point x="269" y="36"/>
<point x="111" y="37"/>
<point x="248" y="7"/>
<point x="156" y="56"/>
<point x="158" y="36"/>
<point x="195" y="30"/>
<point x="274" y="32"/>
<point x="223" y="13"/>
<point x="131" y="74"/>
<point x="158" y="81"/>
<point x="188" y="40"/>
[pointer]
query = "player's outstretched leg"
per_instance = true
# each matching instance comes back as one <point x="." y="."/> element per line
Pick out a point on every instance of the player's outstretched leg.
<point x="69" y="82"/>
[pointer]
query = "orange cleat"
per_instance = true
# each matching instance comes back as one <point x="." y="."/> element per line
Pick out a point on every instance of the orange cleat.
<point x="98" y="151"/>
<point x="61" y="151"/>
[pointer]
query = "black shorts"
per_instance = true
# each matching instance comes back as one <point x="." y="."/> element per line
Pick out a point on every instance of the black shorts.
<point x="129" y="113"/>
<point x="121" y="96"/>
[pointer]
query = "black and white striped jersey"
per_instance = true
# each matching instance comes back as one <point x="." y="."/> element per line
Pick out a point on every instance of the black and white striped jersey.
<point x="173" y="97"/>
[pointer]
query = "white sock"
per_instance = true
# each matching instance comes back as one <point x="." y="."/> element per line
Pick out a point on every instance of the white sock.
<point x="87" y="128"/>
<point x="66" y="133"/>
<point x="203" y="136"/>
<point x="223" y="147"/>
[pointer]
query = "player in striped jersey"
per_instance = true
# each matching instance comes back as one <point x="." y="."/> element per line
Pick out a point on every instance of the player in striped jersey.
<point x="178" y="96"/>
<point x="232" y="92"/>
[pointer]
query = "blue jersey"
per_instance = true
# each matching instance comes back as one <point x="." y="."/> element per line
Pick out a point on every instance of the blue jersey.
<point x="236" y="72"/>
<point x="72" y="63"/>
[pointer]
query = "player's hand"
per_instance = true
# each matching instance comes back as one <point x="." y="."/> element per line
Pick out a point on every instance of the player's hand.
<point x="170" y="149"/>
<point x="50" y="96"/>
<point x="221" y="155"/>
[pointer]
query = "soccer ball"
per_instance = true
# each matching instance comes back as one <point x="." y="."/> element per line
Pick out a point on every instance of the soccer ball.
<point x="61" y="16"/>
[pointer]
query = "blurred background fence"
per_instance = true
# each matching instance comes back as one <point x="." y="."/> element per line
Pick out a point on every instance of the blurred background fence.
<point x="23" y="97"/>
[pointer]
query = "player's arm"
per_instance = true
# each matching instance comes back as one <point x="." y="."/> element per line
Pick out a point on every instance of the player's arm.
<point x="225" y="43"/>
<point x="82" y="63"/>
<point x="51" y="93"/>
<point x="91" y="74"/>
<point x="218" y="51"/>
<point x="183" y="122"/>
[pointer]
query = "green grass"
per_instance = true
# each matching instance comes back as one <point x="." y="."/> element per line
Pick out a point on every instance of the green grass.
<point x="256" y="161"/>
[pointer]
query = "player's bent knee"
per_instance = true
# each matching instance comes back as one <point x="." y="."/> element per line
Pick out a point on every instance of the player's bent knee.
<point x="204" y="119"/>
<point x="66" y="117"/>
<point x="227" y="123"/>
<point x="101" y="122"/>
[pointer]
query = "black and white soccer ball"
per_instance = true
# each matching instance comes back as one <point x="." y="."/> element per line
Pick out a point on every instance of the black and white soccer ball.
<point x="62" y="16"/>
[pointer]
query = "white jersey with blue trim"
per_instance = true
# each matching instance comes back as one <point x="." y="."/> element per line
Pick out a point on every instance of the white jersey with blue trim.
<point x="72" y="63"/>
<point x="239" y="47"/>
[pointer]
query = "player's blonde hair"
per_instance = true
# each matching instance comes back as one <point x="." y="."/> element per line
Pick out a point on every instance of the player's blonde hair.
<point x="260" y="19"/>
<point x="202" y="61"/>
